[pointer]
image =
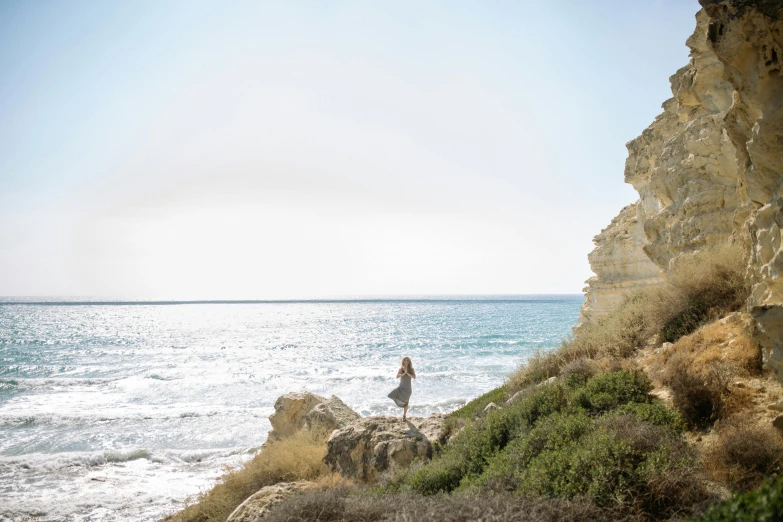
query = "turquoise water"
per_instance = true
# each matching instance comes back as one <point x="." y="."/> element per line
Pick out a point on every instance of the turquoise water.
<point x="119" y="411"/>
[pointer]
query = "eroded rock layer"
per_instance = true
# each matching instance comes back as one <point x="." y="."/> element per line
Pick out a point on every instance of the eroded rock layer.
<point x="709" y="168"/>
<point x="620" y="264"/>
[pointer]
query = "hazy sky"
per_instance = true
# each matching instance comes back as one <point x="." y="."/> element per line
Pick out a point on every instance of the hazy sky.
<point x="258" y="150"/>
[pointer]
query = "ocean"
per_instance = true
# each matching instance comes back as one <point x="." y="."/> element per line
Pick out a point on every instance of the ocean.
<point x="116" y="411"/>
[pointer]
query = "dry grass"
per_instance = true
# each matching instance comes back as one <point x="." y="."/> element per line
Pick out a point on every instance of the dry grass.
<point x="343" y="505"/>
<point x="701" y="368"/>
<point x="715" y="275"/>
<point x="726" y="341"/>
<point x="744" y="453"/>
<point x="700" y="288"/>
<point x="299" y="457"/>
<point x="699" y="395"/>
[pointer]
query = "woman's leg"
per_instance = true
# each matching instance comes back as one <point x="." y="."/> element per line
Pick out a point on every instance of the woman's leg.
<point x="404" y="413"/>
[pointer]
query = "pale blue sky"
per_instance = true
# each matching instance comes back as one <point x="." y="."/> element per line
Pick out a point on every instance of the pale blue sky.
<point x="301" y="149"/>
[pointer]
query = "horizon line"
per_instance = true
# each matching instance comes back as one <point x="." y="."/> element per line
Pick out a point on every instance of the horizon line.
<point x="456" y="298"/>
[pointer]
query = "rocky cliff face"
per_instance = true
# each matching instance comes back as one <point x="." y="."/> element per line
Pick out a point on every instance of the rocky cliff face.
<point x="709" y="168"/>
<point x="620" y="264"/>
<point x="747" y="37"/>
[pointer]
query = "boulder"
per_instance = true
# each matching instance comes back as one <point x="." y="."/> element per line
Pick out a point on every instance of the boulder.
<point x="296" y="410"/>
<point x="259" y="503"/>
<point x="491" y="406"/>
<point x="373" y="446"/>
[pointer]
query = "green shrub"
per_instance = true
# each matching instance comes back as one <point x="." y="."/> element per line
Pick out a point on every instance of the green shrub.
<point x="476" y="407"/>
<point x="655" y="413"/>
<point x="545" y="419"/>
<point x="442" y="475"/>
<point x="597" y="466"/>
<point x="763" y="504"/>
<point x="473" y="409"/>
<point x="552" y="433"/>
<point x="605" y="440"/>
<point x="609" y="390"/>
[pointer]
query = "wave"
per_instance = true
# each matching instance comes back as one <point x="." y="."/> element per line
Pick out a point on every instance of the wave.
<point x="49" y="462"/>
<point x="37" y="384"/>
<point x="157" y="377"/>
<point x="125" y="456"/>
<point x="43" y="419"/>
<point x="8" y="385"/>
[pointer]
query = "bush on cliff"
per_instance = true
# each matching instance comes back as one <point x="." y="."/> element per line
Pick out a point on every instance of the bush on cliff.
<point x="700" y="369"/>
<point x="699" y="288"/>
<point x="763" y="504"/>
<point x="605" y="440"/>
<point x="745" y="453"/>
<point x="299" y="457"/>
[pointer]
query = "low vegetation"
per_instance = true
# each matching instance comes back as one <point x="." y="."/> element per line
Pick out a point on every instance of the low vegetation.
<point x="701" y="288"/>
<point x="763" y="504"/>
<point x="604" y="440"/>
<point x="745" y="453"/>
<point x="475" y="408"/>
<point x="346" y="505"/>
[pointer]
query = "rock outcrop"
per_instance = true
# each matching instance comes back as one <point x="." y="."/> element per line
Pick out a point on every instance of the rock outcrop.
<point x="373" y="446"/>
<point x="294" y="411"/>
<point x="709" y="169"/>
<point x="259" y="503"/>
<point x="620" y="264"/>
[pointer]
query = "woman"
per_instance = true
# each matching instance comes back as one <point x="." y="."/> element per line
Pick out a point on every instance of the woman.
<point x="402" y="393"/>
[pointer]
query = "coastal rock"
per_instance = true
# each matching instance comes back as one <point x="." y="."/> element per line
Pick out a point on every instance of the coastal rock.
<point x="258" y="504"/>
<point x="372" y="446"/>
<point x="620" y="265"/>
<point x="684" y="166"/>
<point x="491" y="406"/>
<point x="747" y="38"/>
<point x="294" y="411"/>
<point x="708" y="170"/>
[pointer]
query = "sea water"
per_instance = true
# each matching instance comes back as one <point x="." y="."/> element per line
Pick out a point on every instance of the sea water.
<point x="121" y="411"/>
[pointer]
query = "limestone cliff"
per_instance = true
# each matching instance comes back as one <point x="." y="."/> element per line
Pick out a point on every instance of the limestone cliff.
<point x="709" y="168"/>
<point x="747" y="38"/>
<point x="620" y="264"/>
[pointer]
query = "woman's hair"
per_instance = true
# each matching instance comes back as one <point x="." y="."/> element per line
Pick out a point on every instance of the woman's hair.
<point x="406" y="363"/>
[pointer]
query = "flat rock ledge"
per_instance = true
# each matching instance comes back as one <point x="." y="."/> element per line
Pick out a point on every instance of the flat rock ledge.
<point x="259" y="503"/>
<point x="297" y="410"/>
<point x="371" y="447"/>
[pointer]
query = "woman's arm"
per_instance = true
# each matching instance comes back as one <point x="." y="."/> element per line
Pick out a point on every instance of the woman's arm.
<point x="400" y="372"/>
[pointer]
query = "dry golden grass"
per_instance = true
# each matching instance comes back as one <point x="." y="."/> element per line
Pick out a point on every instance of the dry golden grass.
<point x="726" y="341"/>
<point x="715" y="275"/>
<point x="700" y="288"/>
<point x="333" y="480"/>
<point x="299" y="457"/>
<point x="701" y="370"/>
<point x="743" y="453"/>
